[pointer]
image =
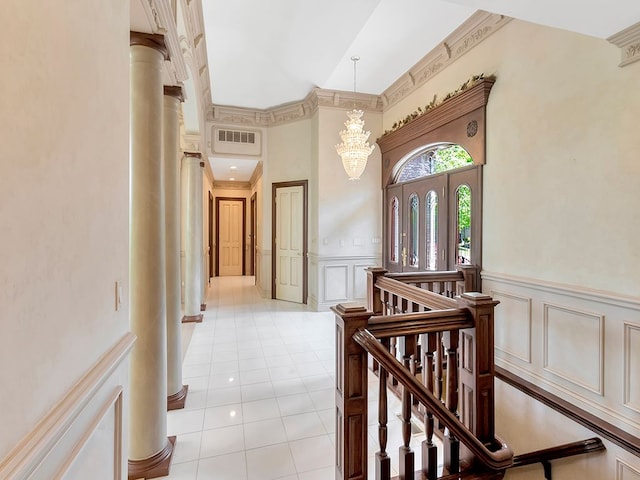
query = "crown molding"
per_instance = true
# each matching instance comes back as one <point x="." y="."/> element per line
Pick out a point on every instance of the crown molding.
<point x="629" y="42"/>
<point x="291" y="112"/>
<point x="226" y="185"/>
<point x="463" y="39"/>
<point x="196" y="44"/>
<point x="472" y="32"/>
<point x="162" y="20"/>
<point x="256" y="175"/>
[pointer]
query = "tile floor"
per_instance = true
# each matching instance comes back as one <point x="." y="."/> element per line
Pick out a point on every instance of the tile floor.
<point x="261" y="377"/>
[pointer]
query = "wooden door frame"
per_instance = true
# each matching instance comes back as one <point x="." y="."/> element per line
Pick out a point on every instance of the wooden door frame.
<point x="244" y="227"/>
<point x="305" y="233"/>
<point x="252" y="231"/>
<point x="210" y="236"/>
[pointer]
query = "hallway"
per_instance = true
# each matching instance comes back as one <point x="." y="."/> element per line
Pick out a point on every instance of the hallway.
<point x="261" y="392"/>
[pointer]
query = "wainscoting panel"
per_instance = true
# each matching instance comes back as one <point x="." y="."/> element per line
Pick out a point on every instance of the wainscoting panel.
<point x="632" y="366"/>
<point x="513" y="325"/>
<point x="624" y="471"/>
<point x="335" y="283"/>
<point x="83" y="435"/>
<point x="360" y="281"/>
<point x="338" y="279"/>
<point x="579" y="344"/>
<point x="574" y="346"/>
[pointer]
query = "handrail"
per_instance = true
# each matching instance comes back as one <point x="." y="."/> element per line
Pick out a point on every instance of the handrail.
<point x="587" y="419"/>
<point x="561" y="451"/>
<point x="499" y="459"/>
<point x="415" y="323"/>
<point x="415" y="294"/>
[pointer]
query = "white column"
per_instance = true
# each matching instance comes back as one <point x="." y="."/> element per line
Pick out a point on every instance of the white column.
<point x="149" y="448"/>
<point x="192" y="166"/>
<point x="176" y="391"/>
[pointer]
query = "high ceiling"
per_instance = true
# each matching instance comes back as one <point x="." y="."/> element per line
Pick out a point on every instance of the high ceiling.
<point x="266" y="53"/>
<point x="263" y="54"/>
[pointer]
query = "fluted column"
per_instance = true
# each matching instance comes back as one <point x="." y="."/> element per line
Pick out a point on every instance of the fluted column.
<point x="149" y="449"/>
<point x="192" y="166"/>
<point x="176" y="391"/>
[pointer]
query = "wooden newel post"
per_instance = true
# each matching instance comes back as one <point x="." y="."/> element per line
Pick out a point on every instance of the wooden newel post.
<point x="470" y="275"/>
<point x="374" y="302"/>
<point x="351" y="393"/>
<point x="477" y="406"/>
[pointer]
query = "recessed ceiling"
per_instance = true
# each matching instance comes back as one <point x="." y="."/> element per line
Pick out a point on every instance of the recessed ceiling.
<point x="232" y="169"/>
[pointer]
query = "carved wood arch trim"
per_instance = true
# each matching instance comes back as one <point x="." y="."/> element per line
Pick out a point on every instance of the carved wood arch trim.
<point x="460" y="119"/>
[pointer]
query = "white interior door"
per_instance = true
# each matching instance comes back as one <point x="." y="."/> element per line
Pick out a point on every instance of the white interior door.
<point x="230" y="234"/>
<point x="289" y="243"/>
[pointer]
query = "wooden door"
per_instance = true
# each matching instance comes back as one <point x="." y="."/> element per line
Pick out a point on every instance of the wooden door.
<point x="230" y="236"/>
<point x="432" y="223"/>
<point x="253" y="231"/>
<point x="289" y="249"/>
<point x="393" y="220"/>
<point x="465" y="217"/>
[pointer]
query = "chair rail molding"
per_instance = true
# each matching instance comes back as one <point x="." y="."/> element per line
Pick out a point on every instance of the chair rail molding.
<point x="57" y="441"/>
<point x="577" y="343"/>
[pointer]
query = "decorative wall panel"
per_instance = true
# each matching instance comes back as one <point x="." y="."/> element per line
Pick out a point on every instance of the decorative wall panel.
<point x="632" y="366"/>
<point x="513" y="325"/>
<point x="82" y="435"/>
<point x="335" y="282"/>
<point x="338" y="279"/>
<point x="574" y="346"/>
<point x="584" y="343"/>
<point x="624" y="471"/>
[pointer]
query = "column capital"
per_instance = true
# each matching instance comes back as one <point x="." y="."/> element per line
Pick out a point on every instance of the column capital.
<point x="150" y="40"/>
<point x="193" y="154"/>
<point x="174" y="91"/>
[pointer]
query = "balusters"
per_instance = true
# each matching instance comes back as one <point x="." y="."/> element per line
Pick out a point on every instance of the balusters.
<point x="429" y="448"/>
<point x="437" y="390"/>
<point x="406" y="460"/>
<point x="451" y="444"/>
<point x="383" y="461"/>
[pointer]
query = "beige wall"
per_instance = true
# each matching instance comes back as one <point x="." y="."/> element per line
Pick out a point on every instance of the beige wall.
<point x="559" y="231"/>
<point x="64" y="169"/>
<point x="561" y="156"/>
<point x="348" y="210"/>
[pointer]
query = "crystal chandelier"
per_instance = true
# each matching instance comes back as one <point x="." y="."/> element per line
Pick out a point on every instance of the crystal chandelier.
<point x="354" y="148"/>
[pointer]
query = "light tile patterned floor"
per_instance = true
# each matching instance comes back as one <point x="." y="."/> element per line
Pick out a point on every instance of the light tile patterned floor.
<point x="261" y="379"/>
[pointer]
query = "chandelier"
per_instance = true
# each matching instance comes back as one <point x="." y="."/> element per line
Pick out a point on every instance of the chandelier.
<point x="354" y="148"/>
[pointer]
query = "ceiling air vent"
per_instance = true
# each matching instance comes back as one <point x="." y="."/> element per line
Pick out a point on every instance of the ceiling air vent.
<point x="236" y="136"/>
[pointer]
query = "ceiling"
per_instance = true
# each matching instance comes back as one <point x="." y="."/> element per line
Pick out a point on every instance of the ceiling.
<point x="262" y="54"/>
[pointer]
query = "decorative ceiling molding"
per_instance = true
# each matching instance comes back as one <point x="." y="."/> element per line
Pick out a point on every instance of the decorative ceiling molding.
<point x="190" y="142"/>
<point x="231" y="185"/>
<point x="256" y="175"/>
<point x="472" y="32"/>
<point x="194" y="25"/>
<point x="295" y="111"/>
<point x="629" y="42"/>
<point x="162" y="20"/>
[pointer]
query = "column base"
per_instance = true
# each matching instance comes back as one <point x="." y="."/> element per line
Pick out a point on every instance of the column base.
<point x="203" y="307"/>
<point x="192" y="319"/>
<point x="153" y="467"/>
<point x="177" y="400"/>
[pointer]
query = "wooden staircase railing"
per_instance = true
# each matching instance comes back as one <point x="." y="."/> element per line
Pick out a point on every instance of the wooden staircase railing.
<point x="437" y="350"/>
